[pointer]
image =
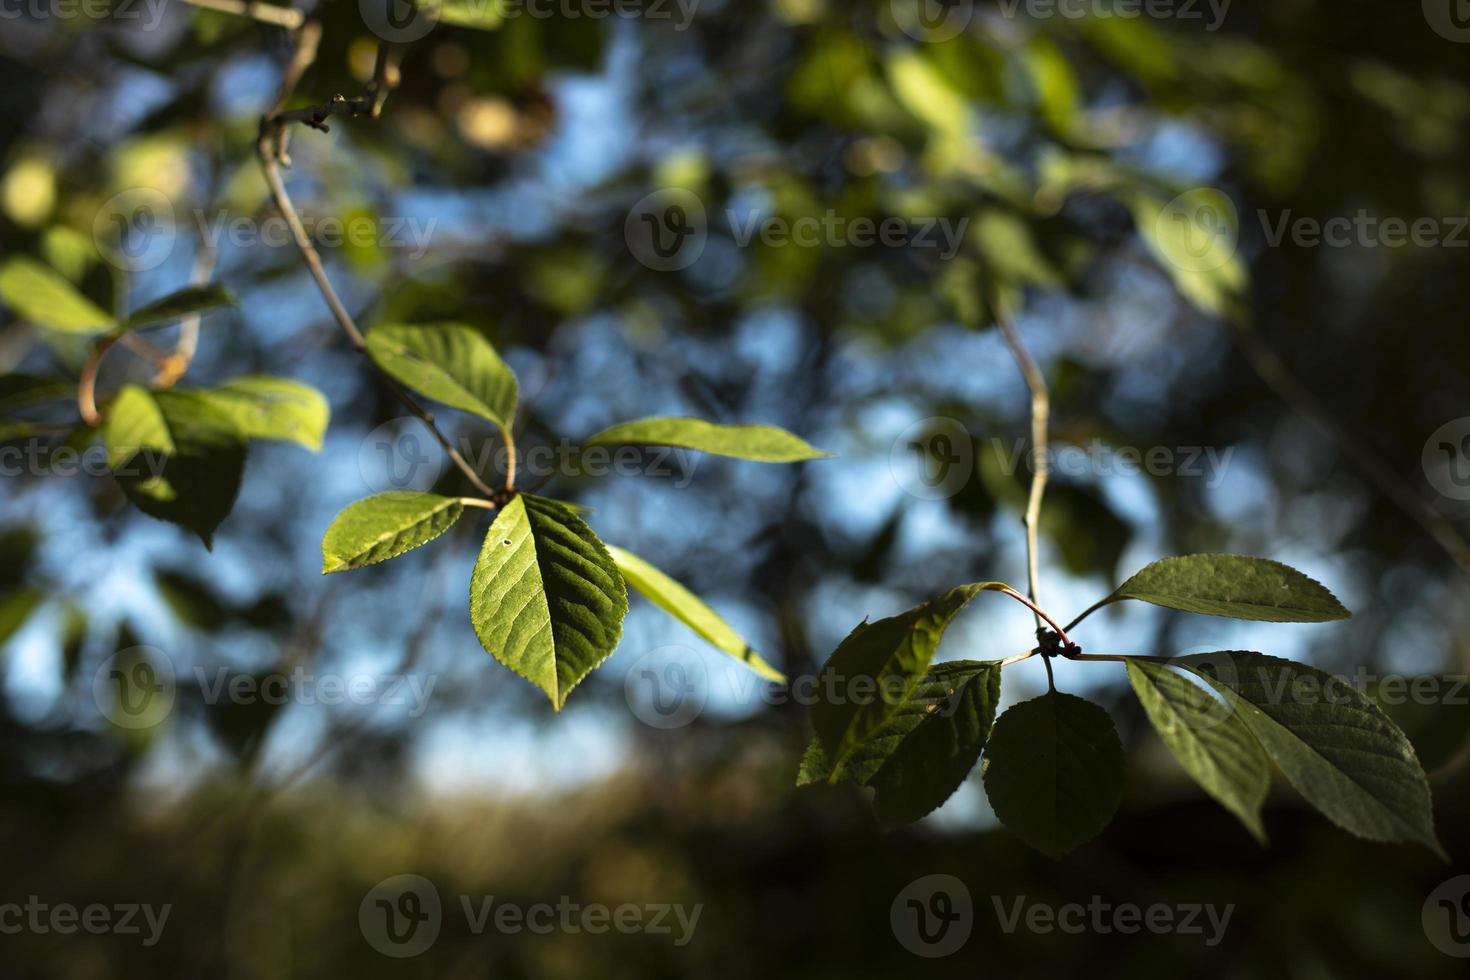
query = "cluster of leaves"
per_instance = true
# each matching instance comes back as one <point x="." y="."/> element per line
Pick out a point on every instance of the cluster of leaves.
<point x="547" y="597"/>
<point x="178" y="454"/>
<point x="889" y="719"/>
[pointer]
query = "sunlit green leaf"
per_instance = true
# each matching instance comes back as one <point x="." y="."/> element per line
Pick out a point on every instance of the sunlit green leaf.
<point x="765" y="443"/>
<point x="385" y="526"/>
<point x="273" y="408"/>
<point x="546" y="598"/>
<point x="690" y="610"/>
<point x="39" y="294"/>
<point x="449" y="363"/>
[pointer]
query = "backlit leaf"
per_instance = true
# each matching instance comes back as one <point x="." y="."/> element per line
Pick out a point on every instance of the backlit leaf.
<point x="764" y="443"/>
<point x="691" y="610"/>
<point x="449" y="363"/>
<point x="385" y="526"/>
<point x="39" y="294"/>
<point x="546" y="598"/>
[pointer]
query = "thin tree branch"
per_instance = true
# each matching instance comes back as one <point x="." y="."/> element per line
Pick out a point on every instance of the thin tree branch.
<point x="269" y="148"/>
<point x="87" y="384"/>
<point x="1040" y="417"/>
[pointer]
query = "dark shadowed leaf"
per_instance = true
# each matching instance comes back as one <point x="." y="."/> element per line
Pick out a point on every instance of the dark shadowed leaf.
<point x="176" y="456"/>
<point x="1054" y="771"/>
<point x="873" y="673"/>
<point x="1237" y="586"/>
<point x="1335" y="746"/>
<point x="1207" y="738"/>
<point x="176" y="306"/>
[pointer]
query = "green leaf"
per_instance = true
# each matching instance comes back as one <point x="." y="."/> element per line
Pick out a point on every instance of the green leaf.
<point x="176" y="306"/>
<point x="385" y="526"/>
<point x="15" y="430"/>
<point x="764" y="443"/>
<point x="38" y="294"/>
<point x="482" y="15"/>
<point x="1236" y="586"/>
<point x="1207" y="738"/>
<point x="273" y="408"/>
<point x="22" y="390"/>
<point x="449" y="363"/>
<point x="546" y="598"/>
<point x="873" y="673"/>
<point x="15" y="609"/>
<point x="1054" y="771"/>
<point x="176" y="456"/>
<point x="1335" y="746"/>
<point x="937" y="756"/>
<point x="690" y="610"/>
<point x="917" y="760"/>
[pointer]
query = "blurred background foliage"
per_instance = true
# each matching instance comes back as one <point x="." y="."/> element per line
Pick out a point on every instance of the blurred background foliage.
<point x="519" y="147"/>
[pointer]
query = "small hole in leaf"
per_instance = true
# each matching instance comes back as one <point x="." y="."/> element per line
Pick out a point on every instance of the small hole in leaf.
<point x="506" y="542"/>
